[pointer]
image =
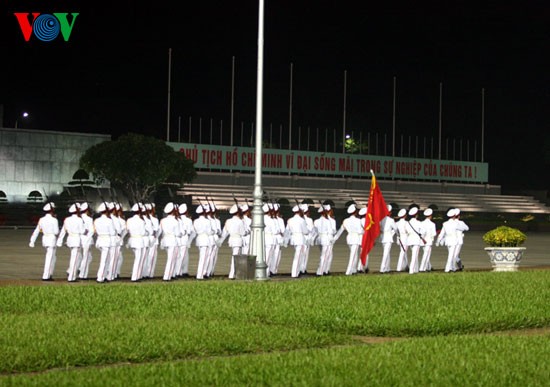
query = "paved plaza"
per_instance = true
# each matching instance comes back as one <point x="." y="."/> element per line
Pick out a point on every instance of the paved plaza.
<point x="21" y="264"/>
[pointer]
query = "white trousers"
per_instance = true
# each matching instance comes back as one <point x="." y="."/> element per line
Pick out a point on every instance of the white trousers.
<point x="49" y="262"/>
<point x="386" y="257"/>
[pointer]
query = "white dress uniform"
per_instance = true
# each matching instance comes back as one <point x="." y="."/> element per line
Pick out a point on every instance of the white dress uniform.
<point x="279" y="229"/>
<point x="116" y="262"/>
<point x="203" y="240"/>
<point x="235" y="229"/>
<point x="87" y="242"/>
<point x="186" y="226"/>
<point x="429" y="236"/>
<point x="48" y="225"/>
<point x="460" y="230"/>
<point x="73" y="228"/>
<point x="171" y="234"/>
<point x="387" y="233"/>
<point x="105" y="241"/>
<point x="352" y="225"/>
<point x="415" y="237"/>
<point x="271" y="229"/>
<point x="248" y="224"/>
<point x="295" y="234"/>
<point x="213" y="259"/>
<point x="401" y="226"/>
<point x="137" y="241"/>
<point x="449" y="237"/>
<point x="325" y="234"/>
<point x="310" y="239"/>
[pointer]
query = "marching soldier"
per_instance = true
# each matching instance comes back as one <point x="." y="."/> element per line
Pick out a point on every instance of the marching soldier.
<point x="171" y="234"/>
<point x="87" y="241"/>
<point x="137" y="241"/>
<point x="352" y="225"/>
<point x="74" y="228"/>
<point x="326" y="230"/>
<point x="48" y="225"/>
<point x="415" y="238"/>
<point x="387" y="232"/>
<point x="295" y="234"/>
<point x="429" y="237"/>
<point x="235" y="229"/>
<point x="105" y="241"/>
<point x="401" y="226"/>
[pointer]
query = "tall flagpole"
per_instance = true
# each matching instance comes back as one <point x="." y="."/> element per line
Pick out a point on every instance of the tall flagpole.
<point x="169" y="91"/>
<point x="232" y="97"/>
<point x="344" y="118"/>
<point x="440" y="114"/>
<point x="482" y="123"/>
<point x="290" y="110"/>
<point x="393" y="116"/>
<point x="257" y="244"/>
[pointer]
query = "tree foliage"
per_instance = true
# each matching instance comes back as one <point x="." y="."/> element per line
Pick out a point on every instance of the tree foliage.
<point x="138" y="164"/>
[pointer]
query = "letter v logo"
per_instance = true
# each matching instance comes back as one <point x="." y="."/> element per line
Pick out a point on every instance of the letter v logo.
<point x="26" y="27"/>
<point x="66" y="28"/>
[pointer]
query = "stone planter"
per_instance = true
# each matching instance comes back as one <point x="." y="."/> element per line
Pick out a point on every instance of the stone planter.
<point x="505" y="258"/>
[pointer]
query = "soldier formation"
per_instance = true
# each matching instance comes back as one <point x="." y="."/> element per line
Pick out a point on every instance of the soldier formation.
<point x="143" y="234"/>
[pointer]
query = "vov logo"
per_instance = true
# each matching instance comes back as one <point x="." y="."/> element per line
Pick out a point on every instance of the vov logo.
<point x="45" y="26"/>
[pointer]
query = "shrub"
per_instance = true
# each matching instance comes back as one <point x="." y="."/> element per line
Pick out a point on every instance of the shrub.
<point x="504" y="236"/>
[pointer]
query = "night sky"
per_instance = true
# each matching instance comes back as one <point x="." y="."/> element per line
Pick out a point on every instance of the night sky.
<point x="112" y="74"/>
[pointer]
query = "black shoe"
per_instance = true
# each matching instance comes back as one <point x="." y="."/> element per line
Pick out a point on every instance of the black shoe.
<point x="47" y="279"/>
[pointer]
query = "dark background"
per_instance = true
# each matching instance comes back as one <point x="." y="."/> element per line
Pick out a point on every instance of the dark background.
<point x="112" y="75"/>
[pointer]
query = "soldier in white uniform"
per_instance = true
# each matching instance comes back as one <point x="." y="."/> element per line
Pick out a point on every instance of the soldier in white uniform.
<point x="448" y="236"/>
<point x="120" y="226"/>
<point x="235" y="229"/>
<point x="415" y="238"/>
<point x="460" y="232"/>
<point x="429" y="227"/>
<point x="171" y="234"/>
<point x="401" y="226"/>
<point x="387" y="232"/>
<point x="74" y="228"/>
<point x="48" y="225"/>
<point x="279" y="229"/>
<point x="360" y="267"/>
<point x="270" y="224"/>
<point x="245" y="210"/>
<point x="352" y="225"/>
<point x="325" y="234"/>
<point x="217" y="227"/>
<point x="152" y="250"/>
<point x="87" y="241"/>
<point x="105" y="240"/>
<point x="203" y="240"/>
<point x="295" y="234"/>
<point x="310" y="240"/>
<point x="188" y="232"/>
<point x="137" y="240"/>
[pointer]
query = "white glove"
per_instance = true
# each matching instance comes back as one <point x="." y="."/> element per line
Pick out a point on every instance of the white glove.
<point x="31" y="244"/>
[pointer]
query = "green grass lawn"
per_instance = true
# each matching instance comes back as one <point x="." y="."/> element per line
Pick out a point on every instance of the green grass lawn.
<point x="432" y="329"/>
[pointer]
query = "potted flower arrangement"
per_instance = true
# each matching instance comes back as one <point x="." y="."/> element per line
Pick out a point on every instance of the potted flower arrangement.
<point x="505" y="251"/>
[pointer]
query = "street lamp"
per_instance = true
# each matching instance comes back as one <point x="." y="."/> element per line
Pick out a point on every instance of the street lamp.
<point x="23" y="115"/>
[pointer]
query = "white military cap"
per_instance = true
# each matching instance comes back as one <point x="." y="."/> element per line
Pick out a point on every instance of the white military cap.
<point x="168" y="208"/>
<point x="111" y="206"/>
<point x="321" y="209"/>
<point x="363" y="211"/>
<point x="244" y="207"/>
<point x="47" y="207"/>
<point x="182" y="208"/>
<point x="304" y="207"/>
<point x="276" y="206"/>
<point x="207" y="208"/>
<point x="102" y="207"/>
<point x="72" y="208"/>
<point x="265" y="208"/>
<point x="413" y="211"/>
<point x="84" y="206"/>
<point x="451" y="213"/>
<point x="296" y="208"/>
<point x="135" y="207"/>
<point x="457" y="211"/>
<point x="352" y="209"/>
<point x="148" y="206"/>
<point x="199" y="210"/>
<point x="428" y="212"/>
<point x="389" y="207"/>
<point x="402" y="212"/>
<point x="327" y="207"/>
<point x="234" y="209"/>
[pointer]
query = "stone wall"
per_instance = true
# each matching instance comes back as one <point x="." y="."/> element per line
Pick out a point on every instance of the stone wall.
<point x="37" y="160"/>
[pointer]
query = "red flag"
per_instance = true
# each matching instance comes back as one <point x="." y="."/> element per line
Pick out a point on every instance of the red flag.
<point x="376" y="211"/>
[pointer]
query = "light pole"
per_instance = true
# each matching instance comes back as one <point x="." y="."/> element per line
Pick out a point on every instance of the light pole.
<point x="23" y="115"/>
<point x="257" y="244"/>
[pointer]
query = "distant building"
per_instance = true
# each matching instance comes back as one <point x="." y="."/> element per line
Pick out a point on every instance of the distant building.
<point x="34" y="163"/>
